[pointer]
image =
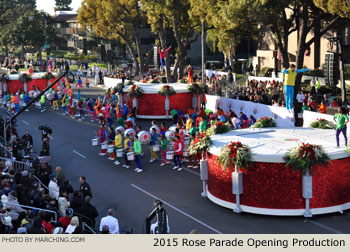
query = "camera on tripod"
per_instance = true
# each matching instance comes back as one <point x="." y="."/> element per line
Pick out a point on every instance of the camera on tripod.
<point x="161" y="226"/>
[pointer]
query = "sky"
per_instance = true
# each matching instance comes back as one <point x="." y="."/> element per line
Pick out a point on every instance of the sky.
<point x="48" y="5"/>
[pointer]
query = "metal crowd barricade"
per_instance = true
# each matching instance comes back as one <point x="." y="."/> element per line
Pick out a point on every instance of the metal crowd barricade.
<point x="17" y="165"/>
<point x="5" y="152"/>
<point x="40" y="182"/>
<point x="32" y="208"/>
<point x="86" y="226"/>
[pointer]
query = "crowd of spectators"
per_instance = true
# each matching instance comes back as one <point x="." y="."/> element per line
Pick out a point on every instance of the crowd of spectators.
<point x="40" y="200"/>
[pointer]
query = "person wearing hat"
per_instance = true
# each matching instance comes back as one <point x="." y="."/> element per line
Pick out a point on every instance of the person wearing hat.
<point x="54" y="190"/>
<point x="66" y="219"/>
<point x="85" y="187"/>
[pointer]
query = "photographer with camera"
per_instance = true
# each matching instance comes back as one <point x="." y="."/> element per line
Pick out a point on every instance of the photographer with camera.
<point x="45" y="132"/>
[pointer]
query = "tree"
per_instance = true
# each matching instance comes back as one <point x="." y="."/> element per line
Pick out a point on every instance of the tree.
<point x="174" y="15"/>
<point x="335" y="7"/>
<point x="289" y="16"/>
<point x="63" y="5"/>
<point x="116" y="20"/>
<point x="29" y="30"/>
<point x="228" y="21"/>
<point x="10" y="11"/>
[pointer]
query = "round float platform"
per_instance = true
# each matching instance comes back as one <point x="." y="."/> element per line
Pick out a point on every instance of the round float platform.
<point x="271" y="188"/>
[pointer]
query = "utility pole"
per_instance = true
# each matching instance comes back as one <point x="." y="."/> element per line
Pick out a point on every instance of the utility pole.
<point x="341" y="71"/>
<point x="203" y="65"/>
<point x="339" y="54"/>
<point x="46" y="45"/>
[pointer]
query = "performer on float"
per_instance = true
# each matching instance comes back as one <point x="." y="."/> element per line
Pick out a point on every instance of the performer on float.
<point x="162" y="55"/>
<point x="290" y="83"/>
<point x="190" y="74"/>
<point x="341" y="119"/>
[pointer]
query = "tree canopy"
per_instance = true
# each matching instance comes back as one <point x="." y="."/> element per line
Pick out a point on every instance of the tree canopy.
<point x="116" y="20"/>
<point x="63" y="5"/>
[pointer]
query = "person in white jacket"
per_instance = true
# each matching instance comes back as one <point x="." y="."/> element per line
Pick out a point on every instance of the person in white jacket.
<point x="13" y="204"/>
<point x="54" y="190"/>
<point x="63" y="203"/>
<point x="111" y="222"/>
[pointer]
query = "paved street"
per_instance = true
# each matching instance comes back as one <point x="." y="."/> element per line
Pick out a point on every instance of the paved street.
<point x="132" y="193"/>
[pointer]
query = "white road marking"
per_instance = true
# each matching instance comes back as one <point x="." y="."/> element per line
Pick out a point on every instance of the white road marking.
<point x="176" y="209"/>
<point x="325" y="227"/>
<point x="25" y="122"/>
<point x="81" y="155"/>
<point x="193" y="172"/>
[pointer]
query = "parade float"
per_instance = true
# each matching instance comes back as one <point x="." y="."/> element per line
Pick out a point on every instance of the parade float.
<point x="289" y="172"/>
<point x="13" y="82"/>
<point x="155" y="101"/>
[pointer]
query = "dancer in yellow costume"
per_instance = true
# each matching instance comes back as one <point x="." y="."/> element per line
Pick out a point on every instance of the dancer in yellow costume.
<point x="290" y="83"/>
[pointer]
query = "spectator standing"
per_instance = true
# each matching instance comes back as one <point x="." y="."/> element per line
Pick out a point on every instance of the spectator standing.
<point x="63" y="203"/>
<point x="318" y="86"/>
<point x="250" y="69"/>
<point x="60" y="176"/>
<point x="257" y="70"/>
<point x="85" y="187"/>
<point x="111" y="222"/>
<point x="77" y="201"/>
<point x="244" y="69"/>
<point x="88" y="210"/>
<point x="54" y="190"/>
<point x="313" y="85"/>
<point x="300" y="98"/>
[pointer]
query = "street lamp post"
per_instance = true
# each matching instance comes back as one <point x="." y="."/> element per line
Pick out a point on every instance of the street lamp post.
<point x="46" y="47"/>
<point x="203" y="66"/>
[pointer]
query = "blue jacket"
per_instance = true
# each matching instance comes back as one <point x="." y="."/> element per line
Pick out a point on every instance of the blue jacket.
<point x="154" y="139"/>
